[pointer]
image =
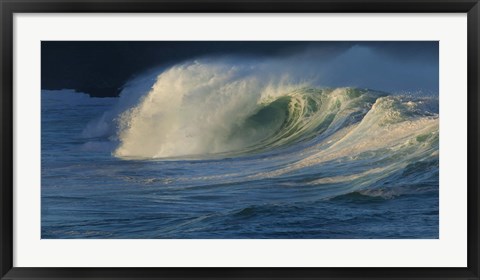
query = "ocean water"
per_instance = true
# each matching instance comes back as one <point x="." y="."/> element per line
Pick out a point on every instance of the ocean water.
<point x="205" y="150"/>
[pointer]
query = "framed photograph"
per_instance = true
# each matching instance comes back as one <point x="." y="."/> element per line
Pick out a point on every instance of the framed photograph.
<point x="239" y="140"/>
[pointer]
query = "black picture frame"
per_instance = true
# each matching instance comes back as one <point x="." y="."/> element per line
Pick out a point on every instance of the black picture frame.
<point x="10" y="7"/>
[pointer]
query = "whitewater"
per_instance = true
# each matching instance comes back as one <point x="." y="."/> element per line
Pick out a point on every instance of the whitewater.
<point x="213" y="148"/>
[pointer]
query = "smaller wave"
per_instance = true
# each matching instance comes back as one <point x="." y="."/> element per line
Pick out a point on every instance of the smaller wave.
<point x="386" y="193"/>
<point x="70" y="97"/>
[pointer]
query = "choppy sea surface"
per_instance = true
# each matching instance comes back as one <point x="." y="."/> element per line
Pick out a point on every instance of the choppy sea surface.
<point x="190" y="156"/>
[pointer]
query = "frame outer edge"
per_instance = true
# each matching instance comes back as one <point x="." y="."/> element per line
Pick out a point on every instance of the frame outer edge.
<point x="6" y="141"/>
<point x="6" y="145"/>
<point x="473" y="138"/>
<point x="242" y="6"/>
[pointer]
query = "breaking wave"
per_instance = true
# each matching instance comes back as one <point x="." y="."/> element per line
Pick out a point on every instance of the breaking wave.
<point x="199" y="110"/>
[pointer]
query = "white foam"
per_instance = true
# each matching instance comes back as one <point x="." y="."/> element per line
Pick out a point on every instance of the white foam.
<point x="194" y="107"/>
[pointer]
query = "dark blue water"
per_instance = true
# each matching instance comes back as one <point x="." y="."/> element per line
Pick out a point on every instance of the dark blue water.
<point x="310" y="188"/>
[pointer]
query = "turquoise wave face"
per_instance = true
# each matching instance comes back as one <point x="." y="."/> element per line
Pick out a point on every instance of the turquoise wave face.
<point x="301" y="115"/>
